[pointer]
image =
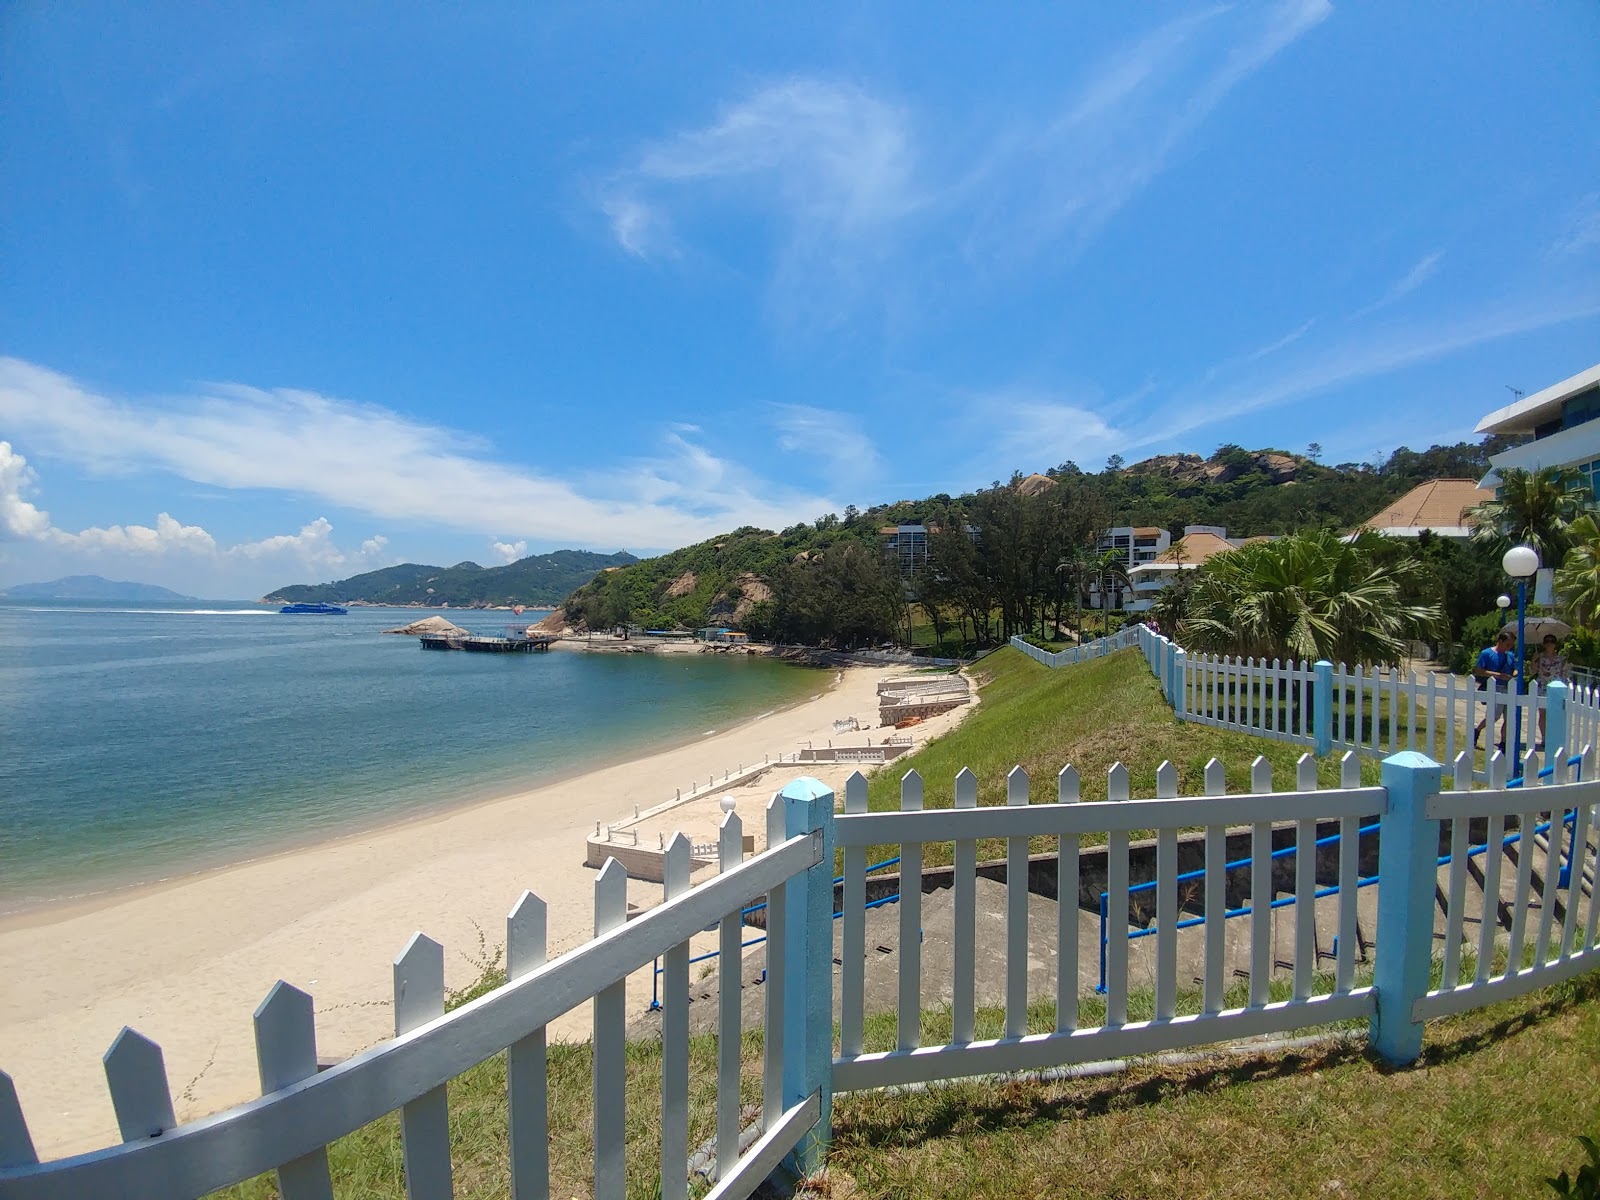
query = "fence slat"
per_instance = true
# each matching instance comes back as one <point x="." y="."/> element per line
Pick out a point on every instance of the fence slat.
<point x="137" y="1077"/>
<point x="1576" y="867"/>
<point x="1166" y="902"/>
<point x="1519" y="909"/>
<point x="1017" y="913"/>
<point x="852" y="983"/>
<point x="1117" y="906"/>
<point x="675" y="870"/>
<point x="730" y="999"/>
<point x="1552" y="874"/>
<point x="1593" y="924"/>
<point x="776" y="950"/>
<point x="1455" y="903"/>
<point x="1261" y="893"/>
<point x="963" y="1005"/>
<point x="286" y="1053"/>
<point x="1493" y="856"/>
<point x="1305" y="885"/>
<point x="526" y="1065"/>
<point x="425" y="1122"/>
<point x="610" y="1045"/>
<point x="1216" y="926"/>
<point x="908" y="1020"/>
<point x="16" y="1143"/>
<point x="1067" y="887"/>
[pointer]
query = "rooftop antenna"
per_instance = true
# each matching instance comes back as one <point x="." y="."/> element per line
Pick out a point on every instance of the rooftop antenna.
<point x="1516" y="393"/>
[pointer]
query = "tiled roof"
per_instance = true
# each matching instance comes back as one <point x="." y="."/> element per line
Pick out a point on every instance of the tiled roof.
<point x="1194" y="548"/>
<point x="1437" y="504"/>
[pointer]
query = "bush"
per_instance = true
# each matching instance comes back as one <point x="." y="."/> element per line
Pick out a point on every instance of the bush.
<point x="1583" y="648"/>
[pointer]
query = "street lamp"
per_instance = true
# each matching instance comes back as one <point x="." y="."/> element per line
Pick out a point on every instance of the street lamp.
<point x="1520" y="562"/>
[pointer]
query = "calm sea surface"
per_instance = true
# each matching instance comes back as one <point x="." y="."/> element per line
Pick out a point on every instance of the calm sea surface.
<point x="138" y="742"/>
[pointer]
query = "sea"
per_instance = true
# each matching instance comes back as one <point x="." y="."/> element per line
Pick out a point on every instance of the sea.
<point x="139" y="742"/>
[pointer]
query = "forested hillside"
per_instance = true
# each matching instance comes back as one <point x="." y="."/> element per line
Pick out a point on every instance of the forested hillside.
<point x="1004" y="559"/>
<point x="539" y="579"/>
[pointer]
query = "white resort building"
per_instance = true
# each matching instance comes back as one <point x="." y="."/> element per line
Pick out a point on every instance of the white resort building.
<point x="1564" y="420"/>
<point x="1198" y="544"/>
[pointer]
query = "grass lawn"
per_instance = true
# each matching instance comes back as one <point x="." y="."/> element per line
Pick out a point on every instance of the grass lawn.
<point x="1493" y="1108"/>
<point x="1092" y="715"/>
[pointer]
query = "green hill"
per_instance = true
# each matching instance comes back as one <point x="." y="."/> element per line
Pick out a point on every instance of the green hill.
<point x="996" y="550"/>
<point x="538" y="579"/>
<point x="90" y="587"/>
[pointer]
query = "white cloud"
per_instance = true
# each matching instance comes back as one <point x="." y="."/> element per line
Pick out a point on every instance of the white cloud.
<point x="18" y="517"/>
<point x="509" y="552"/>
<point x="1582" y="231"/>
<point x="1031" y="432"/>
<point x="313" y="546"/>
<point x="169" y="534"/>
<point x="375" y="461"/>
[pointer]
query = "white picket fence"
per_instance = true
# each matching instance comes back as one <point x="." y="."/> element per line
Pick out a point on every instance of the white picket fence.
<point x="1552" y="937"/>
<point x="1374" y="711"/>
<point x="1098" y="648"/>
<point x="302" y="1110"/>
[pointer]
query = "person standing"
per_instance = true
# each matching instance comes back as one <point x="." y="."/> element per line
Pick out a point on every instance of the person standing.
<point x="1550" y="666"/>
<point x="1497" y="663"/>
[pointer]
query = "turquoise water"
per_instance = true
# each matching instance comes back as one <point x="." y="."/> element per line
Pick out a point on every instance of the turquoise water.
<point x="139" y="742"/>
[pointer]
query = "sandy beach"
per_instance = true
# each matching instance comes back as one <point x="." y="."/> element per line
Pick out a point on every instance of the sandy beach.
<point x="186" y="961"/>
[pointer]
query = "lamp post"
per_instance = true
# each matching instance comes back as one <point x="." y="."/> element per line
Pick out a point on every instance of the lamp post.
<point x="1520" y="562"/>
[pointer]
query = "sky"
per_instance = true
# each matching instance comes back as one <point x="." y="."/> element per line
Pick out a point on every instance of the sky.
<point x="293" y="291"/>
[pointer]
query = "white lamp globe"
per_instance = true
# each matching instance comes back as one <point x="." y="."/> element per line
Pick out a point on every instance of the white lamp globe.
<point x="1520" y="562"/>
<point x="727" y="803"/>
<point x="1503" y="601"/>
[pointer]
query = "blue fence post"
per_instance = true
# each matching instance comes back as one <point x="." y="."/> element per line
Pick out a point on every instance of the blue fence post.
<point x="1322" y="707"/>
<point x="1180" y="682"/>
<point x="1408" y="856"/>
<point x="808" y="972"/>
<point x="1555" y="725"/>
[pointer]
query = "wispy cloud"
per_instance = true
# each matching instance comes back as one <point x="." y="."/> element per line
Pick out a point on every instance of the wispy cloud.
<point x="835" y="439"/>
<point x="859" y="202"/>
<point x="1350" y="359"/>
<point x="1581" y="233"/>
<point x="1029" y="430"/>
<point x="372" y="460"/>
<point x="1422" y="271"/>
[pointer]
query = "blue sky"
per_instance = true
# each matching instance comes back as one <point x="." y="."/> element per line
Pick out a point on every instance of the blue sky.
<point x="291" y="291"/>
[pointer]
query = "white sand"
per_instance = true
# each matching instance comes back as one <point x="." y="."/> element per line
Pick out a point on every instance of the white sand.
<point x="187" y="961"/>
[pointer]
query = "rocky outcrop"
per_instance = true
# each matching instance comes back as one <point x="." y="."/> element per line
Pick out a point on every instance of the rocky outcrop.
<point x="1033" y="485"/>
<point x="1190" y="472"/>
<point x="429" y="625"/>
<point x="682" y="585"/>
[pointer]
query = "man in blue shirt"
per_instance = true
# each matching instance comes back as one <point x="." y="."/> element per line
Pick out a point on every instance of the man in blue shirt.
<point x="1498" y="663"/>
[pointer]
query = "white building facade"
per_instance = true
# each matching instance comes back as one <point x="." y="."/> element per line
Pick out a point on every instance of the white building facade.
<point x="1564" y="420"/>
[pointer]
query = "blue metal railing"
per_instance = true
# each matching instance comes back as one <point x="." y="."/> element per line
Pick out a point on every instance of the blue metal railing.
<point x="1367" y="881"/>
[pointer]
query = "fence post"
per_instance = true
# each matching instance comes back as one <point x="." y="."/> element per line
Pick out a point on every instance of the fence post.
<point x="1322" y="707"/>
<point x="1555" y="725"/>
<point x="1408" y="853"/>
<point x="1180" y="682"/>
<point x="808" y="972"/>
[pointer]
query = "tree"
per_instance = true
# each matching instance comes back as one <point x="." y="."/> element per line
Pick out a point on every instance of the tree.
<point x="1307" y="597"/>
<point x="1114" y="462"/>
<point x="1111" y="571"/>
<point x="1578" y="580"/>
<point x="1314" y="451"/>
<point x="1532" y="508"/>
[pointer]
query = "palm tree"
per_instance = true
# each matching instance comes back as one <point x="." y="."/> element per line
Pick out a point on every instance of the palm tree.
<point x="1578" y="580"/>
<point x="1078" y="566"/>
<point x="1111" y="570"/>
<point x="1307" y="597"/>
<point x="1533" y="508"/>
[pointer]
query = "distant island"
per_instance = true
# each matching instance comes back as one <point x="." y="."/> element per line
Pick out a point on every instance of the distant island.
<point x="540" y="579"/>
<point x="90" y="587"/>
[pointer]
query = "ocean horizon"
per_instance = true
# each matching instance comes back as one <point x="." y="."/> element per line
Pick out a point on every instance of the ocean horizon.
<point x="148" y="741"/>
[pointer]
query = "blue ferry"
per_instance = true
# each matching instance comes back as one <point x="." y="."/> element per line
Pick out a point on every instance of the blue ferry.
<point x="317" y="609"/>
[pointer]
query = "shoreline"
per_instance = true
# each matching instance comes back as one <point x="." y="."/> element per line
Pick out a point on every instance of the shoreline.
<point x="34" y="913"/>
<point x="185" y="961"/>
